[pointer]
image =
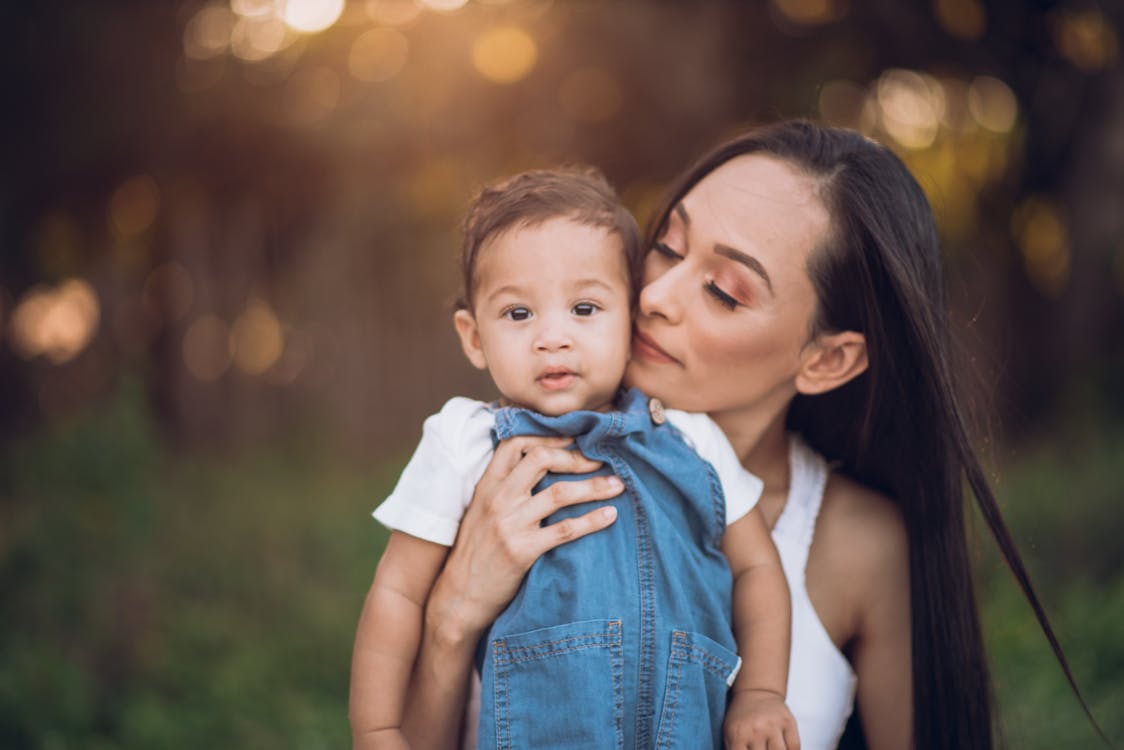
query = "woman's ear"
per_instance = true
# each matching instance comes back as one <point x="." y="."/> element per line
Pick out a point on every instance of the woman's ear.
<point x="469" y="333"/>
<point x="830" y="361"/>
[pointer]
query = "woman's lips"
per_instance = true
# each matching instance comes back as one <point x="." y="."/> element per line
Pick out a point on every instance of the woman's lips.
<point x="646" y="348"/>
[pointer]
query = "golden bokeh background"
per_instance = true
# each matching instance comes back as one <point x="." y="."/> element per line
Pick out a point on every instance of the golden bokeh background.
<point x="229" y="251"/>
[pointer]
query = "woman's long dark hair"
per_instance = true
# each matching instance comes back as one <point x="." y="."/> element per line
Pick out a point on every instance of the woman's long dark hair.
<point x="899" y="427"/>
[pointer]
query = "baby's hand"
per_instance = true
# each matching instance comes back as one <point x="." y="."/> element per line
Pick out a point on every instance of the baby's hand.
<point x="759" y="719"/>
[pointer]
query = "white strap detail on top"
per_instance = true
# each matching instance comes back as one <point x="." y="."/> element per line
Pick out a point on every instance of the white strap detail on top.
<point x="808" y="473"/>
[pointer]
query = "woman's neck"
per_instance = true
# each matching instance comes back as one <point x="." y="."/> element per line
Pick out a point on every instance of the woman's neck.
<point x="760" y="443"/>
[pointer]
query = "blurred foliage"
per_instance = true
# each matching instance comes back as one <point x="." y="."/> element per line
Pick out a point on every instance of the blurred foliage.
<point x="156" y="600"/>
<point x="1061" y="498"/>
<point x="153" y="601"/>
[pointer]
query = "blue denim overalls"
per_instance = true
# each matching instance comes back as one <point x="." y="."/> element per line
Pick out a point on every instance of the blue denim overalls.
<point x="621" y="639"/>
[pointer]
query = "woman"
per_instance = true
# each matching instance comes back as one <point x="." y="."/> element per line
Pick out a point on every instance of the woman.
<point x="794" y="293"/>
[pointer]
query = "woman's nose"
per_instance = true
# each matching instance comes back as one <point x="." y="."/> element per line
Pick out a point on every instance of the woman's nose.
<point x="659" y="297"/>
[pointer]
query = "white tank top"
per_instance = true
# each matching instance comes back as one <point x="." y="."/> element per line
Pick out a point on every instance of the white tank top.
<point x="821" y="683"/>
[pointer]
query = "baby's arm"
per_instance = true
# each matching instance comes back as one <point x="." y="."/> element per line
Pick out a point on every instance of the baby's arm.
<point x="386" y="641"/>
<point x="763" y="629"/>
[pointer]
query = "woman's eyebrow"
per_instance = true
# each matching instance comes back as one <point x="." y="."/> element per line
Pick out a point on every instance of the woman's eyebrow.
<point x="746" y="260"/>
<point x="733" y="254"/>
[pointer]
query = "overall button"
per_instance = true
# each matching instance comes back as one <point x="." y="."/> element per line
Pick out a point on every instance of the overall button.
<point x="655" y="408"/>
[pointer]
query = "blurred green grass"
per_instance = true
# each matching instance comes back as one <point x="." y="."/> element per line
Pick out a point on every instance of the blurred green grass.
<point x="156" y="600"/>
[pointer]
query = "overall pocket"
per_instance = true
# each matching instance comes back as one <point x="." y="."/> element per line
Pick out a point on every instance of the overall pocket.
<point x="560" y="687"/>
<point x="699" y="674"/>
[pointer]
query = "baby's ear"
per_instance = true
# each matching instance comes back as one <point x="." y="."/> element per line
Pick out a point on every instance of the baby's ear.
<point x="465" y="323"/>
<point x="832" y="360"/>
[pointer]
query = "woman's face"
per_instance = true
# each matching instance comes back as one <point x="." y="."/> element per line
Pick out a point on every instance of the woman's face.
<point x="727" y="303"/>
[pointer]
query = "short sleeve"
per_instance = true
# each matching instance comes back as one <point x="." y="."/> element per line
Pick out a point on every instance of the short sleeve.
<point x="742" y="490"/>
<point x="436" y="486"/>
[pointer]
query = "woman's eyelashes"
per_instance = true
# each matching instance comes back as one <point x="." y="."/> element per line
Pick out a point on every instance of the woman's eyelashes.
<point x="666" y="251"/>
<point x="722" y="297"/>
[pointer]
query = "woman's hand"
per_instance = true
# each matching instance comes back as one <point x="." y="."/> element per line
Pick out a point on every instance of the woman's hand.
<point x="500" y="536"/>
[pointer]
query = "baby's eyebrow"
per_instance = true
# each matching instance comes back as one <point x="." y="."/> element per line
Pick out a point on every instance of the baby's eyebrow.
<point x="592" y="281"/>
<point x="505" y="289"/>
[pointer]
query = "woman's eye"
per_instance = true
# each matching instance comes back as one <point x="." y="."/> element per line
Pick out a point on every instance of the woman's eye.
<point x="665" y="250"/>
<point x="584" y="309"/>
<point x="517" y="313"/>
<point x="723" y="299"/>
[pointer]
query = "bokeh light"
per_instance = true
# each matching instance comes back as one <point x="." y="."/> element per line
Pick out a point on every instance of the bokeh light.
<point x="993" y="104"/>
<point x="1039" y="229"/>
<point x="911" y="106"/>
<point x="256" y="340"/>
<point x="504" y="54"/>
<point x="393" y="12"/>
<point x="252" y="8"/>
<point x="310" y="16"/>
<point x="256" y="38"/>
<point x="590" y="95"/>
<point x="57" y="323"/>
<point x="133" y="206"/>
<point x="207" y="34"/>
<point x="809" y="12"/>
<point x="965" y="19"/>
<point x="444" y="6"/>
<point x="206" y="348"/>
<point x="378" y="55"/>
<point x="1086" y="39"/>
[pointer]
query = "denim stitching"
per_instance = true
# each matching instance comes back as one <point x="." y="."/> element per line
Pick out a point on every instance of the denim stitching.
<point x="610" y="639"/>
<point x="671" y="699"/>
<point x="617" y="660"/>
<point x="542" y="654"/>
<point x="645" y="710"/>
<point x="718" y="500"/>
<point x="503" y="718"/>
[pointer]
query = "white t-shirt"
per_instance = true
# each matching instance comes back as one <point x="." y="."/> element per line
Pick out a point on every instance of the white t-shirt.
<point x="437" y="484"/>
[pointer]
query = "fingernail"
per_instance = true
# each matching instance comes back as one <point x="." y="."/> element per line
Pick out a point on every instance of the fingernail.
<point x="609" y="512"/>
<point x="616" y="483"/>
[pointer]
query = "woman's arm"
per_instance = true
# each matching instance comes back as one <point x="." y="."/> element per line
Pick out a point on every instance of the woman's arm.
<point x="865" y="534"/>
<point x="499" y="538"/>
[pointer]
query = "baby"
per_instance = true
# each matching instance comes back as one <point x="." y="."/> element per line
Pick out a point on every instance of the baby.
<point x="628" y="637"/>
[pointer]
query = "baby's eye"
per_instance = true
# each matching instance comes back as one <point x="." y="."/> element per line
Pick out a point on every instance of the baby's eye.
<point x="517" y="313"/>
<point x="584" y="309"/>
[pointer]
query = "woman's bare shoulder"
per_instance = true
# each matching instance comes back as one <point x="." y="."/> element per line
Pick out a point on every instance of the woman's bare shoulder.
<point x="858" y="569"/>
<point x="863" y="529"/>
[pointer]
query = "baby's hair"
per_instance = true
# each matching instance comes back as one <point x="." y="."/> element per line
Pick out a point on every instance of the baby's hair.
<point x="579" y="193"/>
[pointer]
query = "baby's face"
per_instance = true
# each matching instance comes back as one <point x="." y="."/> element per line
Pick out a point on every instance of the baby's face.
<point x="551" y="316"/>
